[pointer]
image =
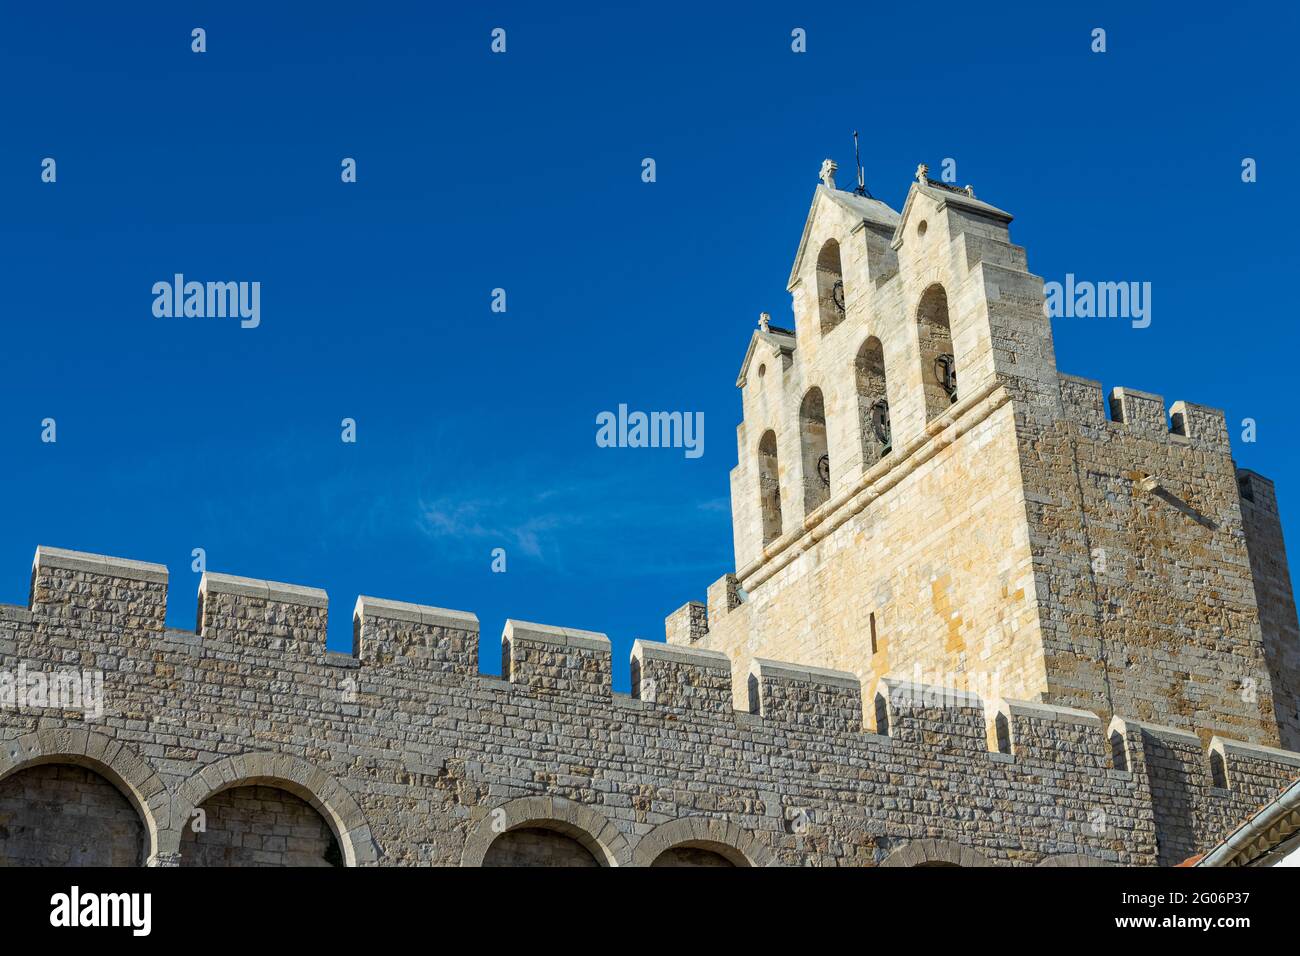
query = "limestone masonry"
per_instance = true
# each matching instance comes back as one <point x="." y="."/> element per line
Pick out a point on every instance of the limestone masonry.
<point x="974" y="620"/>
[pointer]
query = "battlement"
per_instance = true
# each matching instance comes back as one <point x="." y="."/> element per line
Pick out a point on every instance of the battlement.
<point x="686" y="677"/>
<point x="1143" y="413"/>
<point x="812" y="697"/>
<point x="291" y="619"/>
<point x="252" y="698"/>
<point x="556" y="659"/>
<point x="414" y="635"/>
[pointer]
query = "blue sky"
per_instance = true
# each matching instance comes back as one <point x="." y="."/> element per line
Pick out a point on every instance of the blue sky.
<point x="522" y="171"/>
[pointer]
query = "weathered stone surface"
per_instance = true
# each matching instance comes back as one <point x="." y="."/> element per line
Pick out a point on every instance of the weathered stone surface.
<point x="919" y="660"/>
<point x="414" y="760"/>
<point x="1011" y="540"/>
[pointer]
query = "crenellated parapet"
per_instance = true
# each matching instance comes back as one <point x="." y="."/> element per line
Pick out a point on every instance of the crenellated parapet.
<point x="414" y="635"/>
<point x="556" y="659"/>
<point x="410" y="755"/>
<point x="267" y="614"/>
<point x="811" y="697"/>
<point x="1144" y="414"/>
<point x="687" y="677"/>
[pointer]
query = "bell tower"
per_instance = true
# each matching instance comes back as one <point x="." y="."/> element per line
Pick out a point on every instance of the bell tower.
<point x="896" y="318"/>
<point x="920" y="494"/>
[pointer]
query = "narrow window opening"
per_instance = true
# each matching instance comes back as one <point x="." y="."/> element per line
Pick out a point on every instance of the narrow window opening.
<point x="830" y="287"/>
<point x="1119" y="752"/>
<point x="1218" y="773"/>
<point x="1002" y="729"/>
<point x="816" y="456"/>
<point x="769" y="488"/>
<point x="882" y="715"/>
<point x="938" y="365"/>
<point x="873" y="402"/>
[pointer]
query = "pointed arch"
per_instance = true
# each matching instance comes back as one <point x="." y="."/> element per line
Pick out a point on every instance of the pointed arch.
<point x="769" y="487"/>
<point x="938" y="366"/>
<point x="830" y="286"/>
<point x="873" y="402"/>
<point x="816" y="454"/>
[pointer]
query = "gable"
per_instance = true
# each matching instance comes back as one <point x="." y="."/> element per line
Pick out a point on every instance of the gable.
<point x="776" y="342"/>
<point x="853" y="208"/>
<point x="943" y="196"/>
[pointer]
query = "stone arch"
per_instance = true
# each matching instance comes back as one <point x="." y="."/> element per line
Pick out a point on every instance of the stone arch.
<point x="830" y="286"/>
<point x="1072" y="859"/>
<point x="934" y="337"/>
<point x="769" y="487"/>
<point x="873" y="401"/>
<point x="584" y="824"/>
<point x="115" y="761"/>
<point x="735" y="843"/>
<point x="283" y="771"/>
<point x="935" y="853"/>
<point x="815" y="450"/>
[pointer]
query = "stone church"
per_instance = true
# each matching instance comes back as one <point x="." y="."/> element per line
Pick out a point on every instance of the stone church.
<point x="981" y="615"/>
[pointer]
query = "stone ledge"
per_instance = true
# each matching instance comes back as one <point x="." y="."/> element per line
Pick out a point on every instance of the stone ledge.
<point x="339" y="659"/>
<point x="800" y="672"/>
<point x="677" y="654"/>
<point x="559" y="636"/>
<point x="1120" y="392"/>
<point x="1037" y="711"/>
<point x="928" y="695"/>
<point x="1079" y="380"/>
<point x="265" y="590"/>
<point x="1171" y="734"/>
<point x="414" y="613"/>
<point x="1237" y="748"/>
<point x="14" y="612"/>
<point x="99" y="564"/>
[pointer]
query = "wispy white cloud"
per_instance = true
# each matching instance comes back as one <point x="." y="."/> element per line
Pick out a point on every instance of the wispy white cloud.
<point x="573" y="520"/>
<point x="585" y="526"/>
<point x="500" y="522"/>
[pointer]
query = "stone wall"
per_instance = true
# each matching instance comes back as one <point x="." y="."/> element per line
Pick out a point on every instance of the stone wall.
<point x="534" y="846"/>
<point x="1276" y="600"/>
<point x="258" y="826"/>
<point x="66" y="815"/>
<point x="1147" y="605"/>
<point x="932" y="553"/>
<point x="410" y="756"/>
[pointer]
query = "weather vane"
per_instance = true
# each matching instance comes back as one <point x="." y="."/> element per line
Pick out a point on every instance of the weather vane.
<point x="857" y="157"/>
